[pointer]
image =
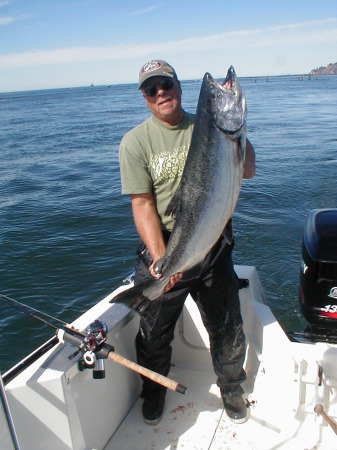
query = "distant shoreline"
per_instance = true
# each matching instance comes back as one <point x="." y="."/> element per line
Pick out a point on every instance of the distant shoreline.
<point x="330" y="69"/>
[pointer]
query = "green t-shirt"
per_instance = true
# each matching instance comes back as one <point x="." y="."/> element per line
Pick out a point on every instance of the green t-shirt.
<point x="152" y="157"/>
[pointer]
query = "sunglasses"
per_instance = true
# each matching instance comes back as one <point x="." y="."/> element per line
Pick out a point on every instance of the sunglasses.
<point x="152" y="89"/>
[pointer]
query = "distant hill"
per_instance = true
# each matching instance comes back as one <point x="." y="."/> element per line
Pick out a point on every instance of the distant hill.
<point x="330" y="69"/>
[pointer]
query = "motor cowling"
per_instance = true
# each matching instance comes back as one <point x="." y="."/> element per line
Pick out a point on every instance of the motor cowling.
<point x="318" y="273"/>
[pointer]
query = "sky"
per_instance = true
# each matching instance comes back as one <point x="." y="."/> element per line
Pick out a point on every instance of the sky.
<point x="67" y="43"/>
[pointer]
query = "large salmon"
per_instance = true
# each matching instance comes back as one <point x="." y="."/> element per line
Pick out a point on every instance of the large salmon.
<point x="209" y="187"/>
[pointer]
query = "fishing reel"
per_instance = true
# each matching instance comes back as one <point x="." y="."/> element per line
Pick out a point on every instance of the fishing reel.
<point x="92" y="348"/>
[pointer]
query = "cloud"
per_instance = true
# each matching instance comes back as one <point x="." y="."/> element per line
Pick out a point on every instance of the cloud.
<point x="6" y="20"/>
<point x="145" y="10"/>
<point x="304" y="33"/>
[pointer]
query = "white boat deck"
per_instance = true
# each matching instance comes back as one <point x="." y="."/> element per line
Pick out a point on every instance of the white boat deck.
<point x="197" y="420"/>
<point x="199" y="408"/>
<point x="281" y="390"/>
<point x="56" y="406"/>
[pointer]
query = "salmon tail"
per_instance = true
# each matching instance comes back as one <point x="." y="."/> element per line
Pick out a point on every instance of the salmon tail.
<point x="134" y="299"/>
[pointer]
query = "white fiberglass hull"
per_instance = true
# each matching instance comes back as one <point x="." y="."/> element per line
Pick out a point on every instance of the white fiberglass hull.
<point x="54" y="405"/>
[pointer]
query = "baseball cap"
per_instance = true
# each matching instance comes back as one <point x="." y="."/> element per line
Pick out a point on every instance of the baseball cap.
<point x="155" y="68"/>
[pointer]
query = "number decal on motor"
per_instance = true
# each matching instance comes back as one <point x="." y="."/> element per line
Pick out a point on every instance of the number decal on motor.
<point x="331" y="309"/>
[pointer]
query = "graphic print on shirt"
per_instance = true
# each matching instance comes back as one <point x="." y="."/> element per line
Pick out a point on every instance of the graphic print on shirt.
<point x="169" y="165"/>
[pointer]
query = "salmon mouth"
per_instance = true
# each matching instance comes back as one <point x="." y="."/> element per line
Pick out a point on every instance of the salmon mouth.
<point x="227" y="84"/>
<point x="230" y="80"/>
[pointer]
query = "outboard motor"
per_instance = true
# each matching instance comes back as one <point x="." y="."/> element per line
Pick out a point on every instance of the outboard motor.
<point x="318" y="274"/>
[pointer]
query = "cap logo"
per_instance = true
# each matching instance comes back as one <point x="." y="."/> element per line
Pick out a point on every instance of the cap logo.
<point x="333" y="292"/>
<point x="151" y="66"/>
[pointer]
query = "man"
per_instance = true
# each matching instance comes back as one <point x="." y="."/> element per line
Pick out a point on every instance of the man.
<point x="152" y="159"/>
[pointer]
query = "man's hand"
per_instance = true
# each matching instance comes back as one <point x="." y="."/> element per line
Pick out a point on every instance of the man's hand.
<point x="172" y="281"/>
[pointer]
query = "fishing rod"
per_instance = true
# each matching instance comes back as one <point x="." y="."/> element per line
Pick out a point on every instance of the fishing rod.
<point x="92" y="346"/>
<point x="25" y="309"/>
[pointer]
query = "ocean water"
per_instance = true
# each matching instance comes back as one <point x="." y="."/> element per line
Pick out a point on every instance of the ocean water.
<point x="67" y="234"/>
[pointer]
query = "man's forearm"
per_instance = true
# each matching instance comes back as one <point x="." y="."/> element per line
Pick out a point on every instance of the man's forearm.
<point x="148" y="224"/>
